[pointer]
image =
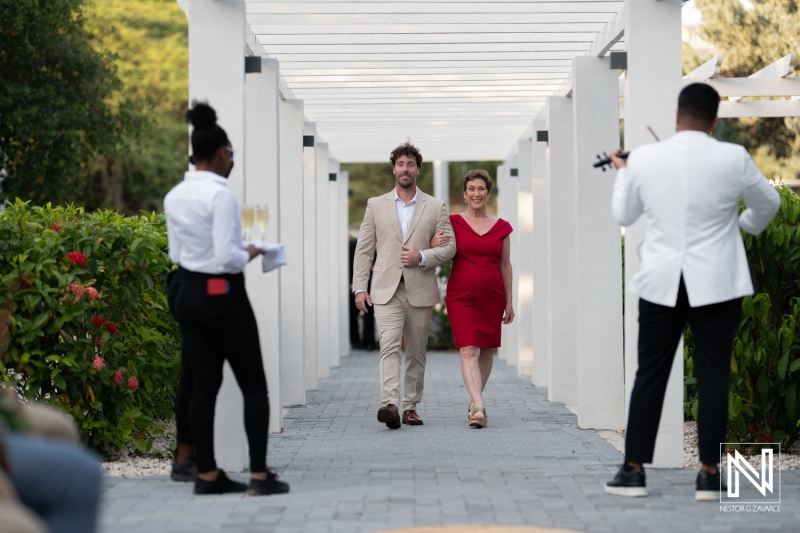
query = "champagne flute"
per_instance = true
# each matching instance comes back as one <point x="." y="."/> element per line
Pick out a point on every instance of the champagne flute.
<point x="262" y="217"/>
<point x="247" y="220"/>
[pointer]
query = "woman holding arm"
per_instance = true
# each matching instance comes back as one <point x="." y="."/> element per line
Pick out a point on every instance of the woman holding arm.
<point x="208" y="299"/>
<point x="479" y="289"/>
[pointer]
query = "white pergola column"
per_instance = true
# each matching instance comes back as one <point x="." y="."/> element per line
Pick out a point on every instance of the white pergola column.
<point x="324" y="258"/>
<point x="310" y="256"/>
<point x="541" y="265"/>
<point x="261" y="188"/>
<point x="216" y="76"/>
<point x="601" y="388"/>
<point x="652" y="83"/>
<point x="441" y="181"/>
<point x="501" y="185"/>
<point x="344" y="263"/>
<point x="562" y="296"/>
<point x="336" y="241"/>
<point x="524" y="232"/>
<point x="511" y="332"/>
<point x="292" y="236"/>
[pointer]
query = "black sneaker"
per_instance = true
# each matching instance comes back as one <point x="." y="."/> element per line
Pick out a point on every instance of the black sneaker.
<point x="271" y="485"/>
<point x="709" y="486"/>
<point x="629" y="481"/>
<point x="222" y="485"/>
<point x="185" y="471"/>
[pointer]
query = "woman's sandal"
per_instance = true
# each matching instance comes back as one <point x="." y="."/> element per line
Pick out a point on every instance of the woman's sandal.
<point x="478" y="419"/>
<point x="470" y="409"/>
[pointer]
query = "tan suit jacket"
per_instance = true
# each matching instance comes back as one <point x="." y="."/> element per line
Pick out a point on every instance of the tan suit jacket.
<point x="381" y="230"/>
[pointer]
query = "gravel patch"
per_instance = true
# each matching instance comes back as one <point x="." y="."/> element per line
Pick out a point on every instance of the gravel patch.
<point x="158" y="460"/>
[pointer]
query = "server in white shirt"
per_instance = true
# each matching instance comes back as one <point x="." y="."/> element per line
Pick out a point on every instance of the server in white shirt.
<point x="693" y="269"/>
<point x="208" y="299"/>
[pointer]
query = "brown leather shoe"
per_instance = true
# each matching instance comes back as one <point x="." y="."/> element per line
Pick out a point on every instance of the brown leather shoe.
<point x="389" y="416"/>
<point x="410" y="417"/>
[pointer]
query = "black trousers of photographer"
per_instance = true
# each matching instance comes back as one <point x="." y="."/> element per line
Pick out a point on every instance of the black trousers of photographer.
<point x="216" y="328"/>
<point x="660" y="330"/>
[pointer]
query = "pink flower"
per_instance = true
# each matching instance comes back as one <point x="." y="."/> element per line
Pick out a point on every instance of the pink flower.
<point x="99" y="342"/>
<point x="56" y="227"/>
<point x="77" y="290"/>
<point x="111" y="327"/>
<point x="77" y="258"/>
<point x="118" y="377"/>
<point x="93" y="294"/>
<point x="99" y="363"/>
<point x="133" y="383"/>
<point x="97" y="321"/>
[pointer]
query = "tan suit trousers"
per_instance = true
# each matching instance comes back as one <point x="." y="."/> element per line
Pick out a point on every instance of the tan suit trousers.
<point x="396" y="319"/>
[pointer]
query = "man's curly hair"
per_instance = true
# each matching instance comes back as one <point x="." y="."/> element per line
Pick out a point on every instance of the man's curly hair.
<point x="406" y="149"/>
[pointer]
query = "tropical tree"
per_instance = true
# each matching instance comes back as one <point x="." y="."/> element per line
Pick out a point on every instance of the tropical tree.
<point x="56" y="112"/>
<point x="750" y="39"/>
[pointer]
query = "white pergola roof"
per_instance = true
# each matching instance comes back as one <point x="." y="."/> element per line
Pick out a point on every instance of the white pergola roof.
<point x="461" y="79"/>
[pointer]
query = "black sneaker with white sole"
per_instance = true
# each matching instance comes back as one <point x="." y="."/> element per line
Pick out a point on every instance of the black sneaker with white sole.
<point x="709" y="486"/>
<point x="629" y="481"/>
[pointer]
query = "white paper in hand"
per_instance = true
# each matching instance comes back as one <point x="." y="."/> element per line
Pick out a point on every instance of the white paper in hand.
<point x="274" y="255"/>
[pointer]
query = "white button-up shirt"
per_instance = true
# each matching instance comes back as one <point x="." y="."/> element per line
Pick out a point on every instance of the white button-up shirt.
<point x="405" y="211"/>
<point x="204" y="227"/>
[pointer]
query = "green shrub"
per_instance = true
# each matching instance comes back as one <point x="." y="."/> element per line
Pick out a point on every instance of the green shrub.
<point x="89" y="329"/>
<point x="765" y="364"/>
<point x="440" y="334"/>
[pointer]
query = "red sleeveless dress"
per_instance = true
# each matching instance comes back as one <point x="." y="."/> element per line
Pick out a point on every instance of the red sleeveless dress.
<point x="476" y="297"/>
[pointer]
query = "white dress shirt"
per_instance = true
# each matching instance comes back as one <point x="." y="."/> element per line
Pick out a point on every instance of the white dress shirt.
<point x="688" y="187"/>
<point x="405" y="211"/>
<point x="204" y="226"/>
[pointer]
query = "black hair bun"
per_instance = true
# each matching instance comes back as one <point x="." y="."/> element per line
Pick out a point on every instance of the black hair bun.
<point x="201" y="115"/>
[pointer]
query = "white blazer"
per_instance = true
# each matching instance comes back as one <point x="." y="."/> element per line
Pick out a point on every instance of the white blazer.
<point x="689" y="187"/>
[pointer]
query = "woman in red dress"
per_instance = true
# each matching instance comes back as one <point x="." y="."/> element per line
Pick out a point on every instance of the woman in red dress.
<point x="479" y="288"/>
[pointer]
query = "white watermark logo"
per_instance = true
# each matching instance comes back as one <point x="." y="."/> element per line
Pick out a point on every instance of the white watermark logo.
<point x="737" y="464"/>
<point x="752" y="483"/>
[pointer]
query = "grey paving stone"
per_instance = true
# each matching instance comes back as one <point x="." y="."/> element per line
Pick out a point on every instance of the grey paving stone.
<point x="532" y="466"/>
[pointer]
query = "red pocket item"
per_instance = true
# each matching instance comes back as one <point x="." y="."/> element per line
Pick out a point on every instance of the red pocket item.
<point x="217" y="286"/>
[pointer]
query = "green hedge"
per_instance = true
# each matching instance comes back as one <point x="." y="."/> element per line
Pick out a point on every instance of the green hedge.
<point x="765" y="362"/>
<point x="89" y="329"/>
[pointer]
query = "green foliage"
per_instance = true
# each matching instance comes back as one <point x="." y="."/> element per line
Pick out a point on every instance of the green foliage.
<point x="149" y="42"/>
<point x="750" y="39"/>
<point x="69" y="315"/>
<point x="765" y="364"/>
<point x="55" y="110"/>
<point x="440" y="333"/>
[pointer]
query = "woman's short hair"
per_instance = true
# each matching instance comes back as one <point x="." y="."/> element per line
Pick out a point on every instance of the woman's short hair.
<point x="207" y="135"/>
<point x="406" y="149"/>
<point x="478" y="174"/>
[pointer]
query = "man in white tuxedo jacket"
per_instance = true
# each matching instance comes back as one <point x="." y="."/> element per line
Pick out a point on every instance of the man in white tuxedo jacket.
<point x="693" y="268"/>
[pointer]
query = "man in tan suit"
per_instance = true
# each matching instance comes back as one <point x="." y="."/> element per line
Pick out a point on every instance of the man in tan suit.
<point x="400" y="225"/>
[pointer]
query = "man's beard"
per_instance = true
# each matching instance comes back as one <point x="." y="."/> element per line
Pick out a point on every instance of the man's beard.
<point x="405" y="185"/>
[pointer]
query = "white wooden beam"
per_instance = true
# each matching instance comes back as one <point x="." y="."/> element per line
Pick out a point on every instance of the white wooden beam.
<point x="609" y="35"/>
<point x="320" y="21"/>
<point x="778" y="69"/>
<point x="706" y="71"/>
<point x="427" y="7"/>
<point x="753" y="108"/>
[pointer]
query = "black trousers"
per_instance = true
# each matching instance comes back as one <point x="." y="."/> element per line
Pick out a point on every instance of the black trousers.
<point x="215" y="329"/>
<point x="660" y="329"/>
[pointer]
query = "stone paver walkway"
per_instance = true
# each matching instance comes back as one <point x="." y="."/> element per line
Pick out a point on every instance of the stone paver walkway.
<point x="532" y="466"/>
